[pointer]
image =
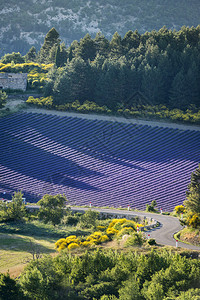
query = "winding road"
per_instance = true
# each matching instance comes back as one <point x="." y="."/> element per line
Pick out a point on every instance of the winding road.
<point x="162" y="234"/>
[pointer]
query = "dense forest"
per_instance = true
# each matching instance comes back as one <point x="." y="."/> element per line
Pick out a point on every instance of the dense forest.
<point x="25" y="23"/>
<point x="155" y="68"/>
<point x="108" y="275"/>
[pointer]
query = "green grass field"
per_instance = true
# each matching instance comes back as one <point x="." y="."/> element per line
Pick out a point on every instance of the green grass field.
<point x="19" y="240"/>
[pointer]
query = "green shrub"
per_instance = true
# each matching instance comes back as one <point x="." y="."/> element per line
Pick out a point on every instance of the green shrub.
<point x="136" y="239"/>
<point x="70" y="220"/>
<point x="151" y="242"/>
<point x="151" y="207"/>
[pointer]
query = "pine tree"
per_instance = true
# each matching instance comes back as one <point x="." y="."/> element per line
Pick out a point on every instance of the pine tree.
<point x="192" y="202"/>
<point x="31" y="55"/>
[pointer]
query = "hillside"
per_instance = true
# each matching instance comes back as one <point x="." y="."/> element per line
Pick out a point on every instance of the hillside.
<point x="107" y="163"/>
<point x="25" y="23"/>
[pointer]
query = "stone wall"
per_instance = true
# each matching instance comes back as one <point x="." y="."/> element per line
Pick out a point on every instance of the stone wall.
<point x="14" y="81"/>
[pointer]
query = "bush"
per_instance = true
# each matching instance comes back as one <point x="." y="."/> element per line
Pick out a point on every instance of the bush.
<point x="70" y="220"/>
<point x="89" y="219"/>
<point x="125" y="230"/>
<point x="151" y="242"/>
<point x="180" y="209"/>
<point x="151" y="207"/>
<point x="135" y="239"/>
<point x="194" y="221"/>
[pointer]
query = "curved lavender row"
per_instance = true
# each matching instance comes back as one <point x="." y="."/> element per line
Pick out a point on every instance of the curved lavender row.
<point x="106" y="163"/>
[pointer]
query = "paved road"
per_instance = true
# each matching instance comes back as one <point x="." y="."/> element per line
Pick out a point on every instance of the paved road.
<point x="138" y="121"/>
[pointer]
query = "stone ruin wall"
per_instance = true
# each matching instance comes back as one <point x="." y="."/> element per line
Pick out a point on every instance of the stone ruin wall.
<point x="13" y="81"/>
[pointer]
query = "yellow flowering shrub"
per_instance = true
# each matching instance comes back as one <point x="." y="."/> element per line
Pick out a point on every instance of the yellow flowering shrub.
<point x="111" y="231"/>
<point x="47" y="102"/>
<point x="102" y="228"/>
<point x="118" y="224"/>
<point x="116" y="221"/>
<point x="64" y="243"/>
<point x="97" y="238"/>
<point x="179" y="209"/>
<point x="73" y="246"/>
<point x="194" y="220"/>
<point x="86" y="244"/>
<point x="125" y="230"/>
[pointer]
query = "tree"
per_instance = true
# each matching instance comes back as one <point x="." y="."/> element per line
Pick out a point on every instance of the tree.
<point x="130" y="290"/>
<point x="14" y="210"/>
<point x="52" y="208"/>
<point x="89" y="218"/>
<point x="86" y="49"/>
<point x="3" y="98"/>
<point x="15" y="57"/>
<point x="192" y="202"/>
<point x="9" y="289"/>
<point x="74" y="82"/>
<point x="31" y="55"/>
<point x="61" y="55"/>
<point x="51" y="42"/>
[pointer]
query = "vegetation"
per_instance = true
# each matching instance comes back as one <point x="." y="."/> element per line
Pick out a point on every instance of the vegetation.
<point x="150" y="75"/>
<point x="117" y="228"/>
<point x="27" y="22"/>
<point x="106" y="274"/>
<point x="151" y="207"/>
<point x="3" y="98"/>
<point x="52" y="208"/>
<point x="192" y="202"/>
<point x="14" y="210"/>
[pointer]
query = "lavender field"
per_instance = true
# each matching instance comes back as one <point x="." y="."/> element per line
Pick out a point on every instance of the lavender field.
<point x="105" y="163"/>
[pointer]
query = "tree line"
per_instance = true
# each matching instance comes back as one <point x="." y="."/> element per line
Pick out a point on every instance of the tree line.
<point x="157" y="67"/>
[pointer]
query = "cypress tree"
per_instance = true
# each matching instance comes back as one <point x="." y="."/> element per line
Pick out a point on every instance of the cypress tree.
<point x="192" y="202"/>
<point x="51" y="40"/>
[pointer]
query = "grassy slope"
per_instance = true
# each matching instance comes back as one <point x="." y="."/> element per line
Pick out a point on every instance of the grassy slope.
<point x="189" y="235"/>
<point x="18" y="240"/>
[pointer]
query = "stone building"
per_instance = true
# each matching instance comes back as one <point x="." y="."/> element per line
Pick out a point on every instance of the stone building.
<point x="14" y="81"/>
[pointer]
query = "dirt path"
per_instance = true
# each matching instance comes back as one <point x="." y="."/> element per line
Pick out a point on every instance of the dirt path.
<point x="114" y="119"/>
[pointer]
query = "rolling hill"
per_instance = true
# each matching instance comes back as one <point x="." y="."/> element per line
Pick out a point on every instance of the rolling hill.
<point x="25" y="23"/>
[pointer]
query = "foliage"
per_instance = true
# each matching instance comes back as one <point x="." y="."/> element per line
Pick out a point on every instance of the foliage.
<point x="151" y="242"/>
<point x="14" y="210"/>
<point x="70" y="219"/>
<point x="69" y="242"/>
<point x="9" y="289"/>
<point x="25" y="67"/>
<point x="16" y="58"/>
<point x="43" y="102"/>
<point x="89" y="219"/>
<point x="192" y="202"/>
<point x="52" y="208"/>
<point x="136" y="239"/>
<point x="106" y="233"/>
<point x="131" y="75"/>
<point x="110" y="275"/>
<point x="179" y="209"/>
<point x="151" y="207"/>
<point x="193" y="220"/>
<point x="47" y="52"/>
<point x="3" y="98"/>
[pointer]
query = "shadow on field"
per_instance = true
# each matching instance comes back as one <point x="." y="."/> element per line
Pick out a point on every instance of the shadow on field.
<point x="22" y="244"/>
<point x="39" y="230"/>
